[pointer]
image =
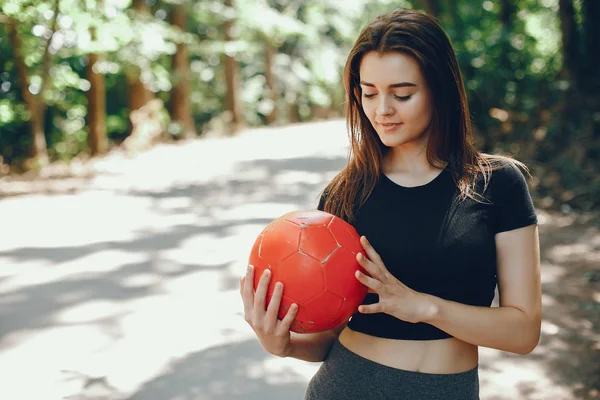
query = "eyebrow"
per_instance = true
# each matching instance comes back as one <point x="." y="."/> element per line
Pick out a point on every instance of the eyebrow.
<point x="393" y="85"/>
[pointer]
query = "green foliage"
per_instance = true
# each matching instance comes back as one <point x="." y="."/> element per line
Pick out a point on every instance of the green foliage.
<point x="511" y="62"/>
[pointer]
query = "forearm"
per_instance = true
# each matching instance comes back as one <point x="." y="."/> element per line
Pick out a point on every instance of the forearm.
<point x="312" y="347"/>
<point x="503" y="328"/>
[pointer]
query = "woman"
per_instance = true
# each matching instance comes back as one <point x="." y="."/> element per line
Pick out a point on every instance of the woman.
<point x="445" y="224"/>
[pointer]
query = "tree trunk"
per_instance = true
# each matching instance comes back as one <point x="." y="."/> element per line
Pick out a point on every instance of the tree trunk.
<point x="507" y="67"/>
<point x="140" y="6"/>
<point x="571" y="108"/>
<point x="97" y="137"/>
<point x="570" y="39"/>
<point x="431" y="7"/>
<point x="38" y="150"/>
<point x="232" y="101"/>
<point x="138" y="93"/>
<point x="591" y="16"/>
<point x="181" y="108"/>
<point x="507" y="12"/>
<point x="272" y="87"/>
<point x="293" y="113"/>
<point x="591" y="32"/>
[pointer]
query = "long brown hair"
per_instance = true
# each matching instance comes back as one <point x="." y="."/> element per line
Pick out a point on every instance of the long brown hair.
<point x="420" y="36"/>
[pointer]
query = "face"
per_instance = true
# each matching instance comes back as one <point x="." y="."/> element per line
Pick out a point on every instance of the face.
<point x="396" y="98"/>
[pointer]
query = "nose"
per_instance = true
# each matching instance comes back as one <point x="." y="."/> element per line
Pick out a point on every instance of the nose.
<point x="384" y="107"/>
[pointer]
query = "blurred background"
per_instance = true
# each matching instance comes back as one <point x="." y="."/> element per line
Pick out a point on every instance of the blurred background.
<point x="145" y="143"/>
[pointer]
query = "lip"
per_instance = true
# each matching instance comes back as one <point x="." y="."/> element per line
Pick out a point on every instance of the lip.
<point x="389" y="126"/>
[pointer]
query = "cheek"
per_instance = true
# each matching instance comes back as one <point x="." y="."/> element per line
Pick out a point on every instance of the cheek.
<point x="369" y="110"/>
<point x="420" y="111"/>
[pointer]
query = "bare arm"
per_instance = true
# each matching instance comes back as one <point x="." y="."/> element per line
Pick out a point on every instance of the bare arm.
<point x="313" y="347"/>
<point x="515" y="325"/>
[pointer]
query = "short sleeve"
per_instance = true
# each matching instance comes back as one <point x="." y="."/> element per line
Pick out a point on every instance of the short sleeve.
<point x="512" y="200"/>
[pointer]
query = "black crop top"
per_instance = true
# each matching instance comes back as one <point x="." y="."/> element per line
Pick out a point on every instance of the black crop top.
<point x="435" y="243"/>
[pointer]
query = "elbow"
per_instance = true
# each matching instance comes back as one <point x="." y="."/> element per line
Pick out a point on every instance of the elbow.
<point x="527" y="346"/>
<point x="529" y="341"/>
<point x="528" y="337"/>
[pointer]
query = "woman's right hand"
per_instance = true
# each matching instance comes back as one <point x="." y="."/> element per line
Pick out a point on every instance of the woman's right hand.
<point x="273" y="334"/>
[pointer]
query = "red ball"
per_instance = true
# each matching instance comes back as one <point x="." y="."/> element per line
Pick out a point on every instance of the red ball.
<point x="313" y="253"/>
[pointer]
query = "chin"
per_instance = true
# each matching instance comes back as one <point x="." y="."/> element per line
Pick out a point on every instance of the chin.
<point x="390" y="141"/>
<point x="399" y="139"/>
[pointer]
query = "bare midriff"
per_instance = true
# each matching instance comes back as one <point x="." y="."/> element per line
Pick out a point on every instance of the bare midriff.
<point x="443" y="356"/>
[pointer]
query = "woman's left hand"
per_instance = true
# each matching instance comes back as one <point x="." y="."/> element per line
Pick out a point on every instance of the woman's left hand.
<point x="395" y="298"/>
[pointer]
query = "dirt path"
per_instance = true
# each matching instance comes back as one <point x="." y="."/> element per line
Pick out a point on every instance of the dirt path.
<point x="119" y="278"/>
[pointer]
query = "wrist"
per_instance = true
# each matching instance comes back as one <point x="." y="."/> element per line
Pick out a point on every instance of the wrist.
<point x="277" y="350"/>
<point x="429" y="308"/>
<point x="287" y="351"/>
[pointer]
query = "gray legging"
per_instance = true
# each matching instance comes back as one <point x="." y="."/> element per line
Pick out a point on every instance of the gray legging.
<point x="348" y="376"/>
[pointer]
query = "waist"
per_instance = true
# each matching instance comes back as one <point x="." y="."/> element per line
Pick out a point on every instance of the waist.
<point x="443" y="356"/>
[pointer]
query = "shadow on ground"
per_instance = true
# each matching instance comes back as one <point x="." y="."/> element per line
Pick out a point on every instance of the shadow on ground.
<point x="228" y="372"/>
<point x="569" y="350"/>
<point x="35" y="306"/>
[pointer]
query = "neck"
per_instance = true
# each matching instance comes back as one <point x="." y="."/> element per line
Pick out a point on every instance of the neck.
<point x="410" y="158"/>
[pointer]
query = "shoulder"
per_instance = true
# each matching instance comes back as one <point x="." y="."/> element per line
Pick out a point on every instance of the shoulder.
<point x="512" y="204"/>
<point x="506" y="173"/>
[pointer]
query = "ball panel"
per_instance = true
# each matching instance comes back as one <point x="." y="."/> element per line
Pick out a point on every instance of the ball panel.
<point x="254" y="251"/>
<point x="302" y="326"/>
<point x="302" y="277"/>
<point x="317" y="242"/>
<point x="324" y="308"/>
<point x="345" y="235"/>
<point x="350" y="307"/>
<point x="279" y="242"/>
<point x="339" y="273"/>
<point x="309" y="218"/>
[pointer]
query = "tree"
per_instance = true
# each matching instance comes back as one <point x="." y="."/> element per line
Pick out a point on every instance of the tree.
<point x="138" y="93"/>
<point x="96" y="115"/>
<point x="233" y="104"/>
<point x="36" y="103"/>
<point x="271" y="80"/>
<point x="431" y="7"/>
<point x="180" y="106"/>
<point x="570" y="38"/>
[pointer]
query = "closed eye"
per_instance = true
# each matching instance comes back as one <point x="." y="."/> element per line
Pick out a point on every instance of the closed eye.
<point x="401" y="98"/>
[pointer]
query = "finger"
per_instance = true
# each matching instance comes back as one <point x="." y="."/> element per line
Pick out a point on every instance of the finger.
<point x="273" y="307"/>
<point x="261" y="292"/>
<point x="368" y="265"/>
<point x="369" y="282"/>
<point x="248" y="290"/>
<point x="371" y="253"/>
<point x="370" y="309"/>
<point x="289" y="318"/>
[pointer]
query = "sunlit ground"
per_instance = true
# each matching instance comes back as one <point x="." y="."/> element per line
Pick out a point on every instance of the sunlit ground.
<point x="124" y="285"/>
